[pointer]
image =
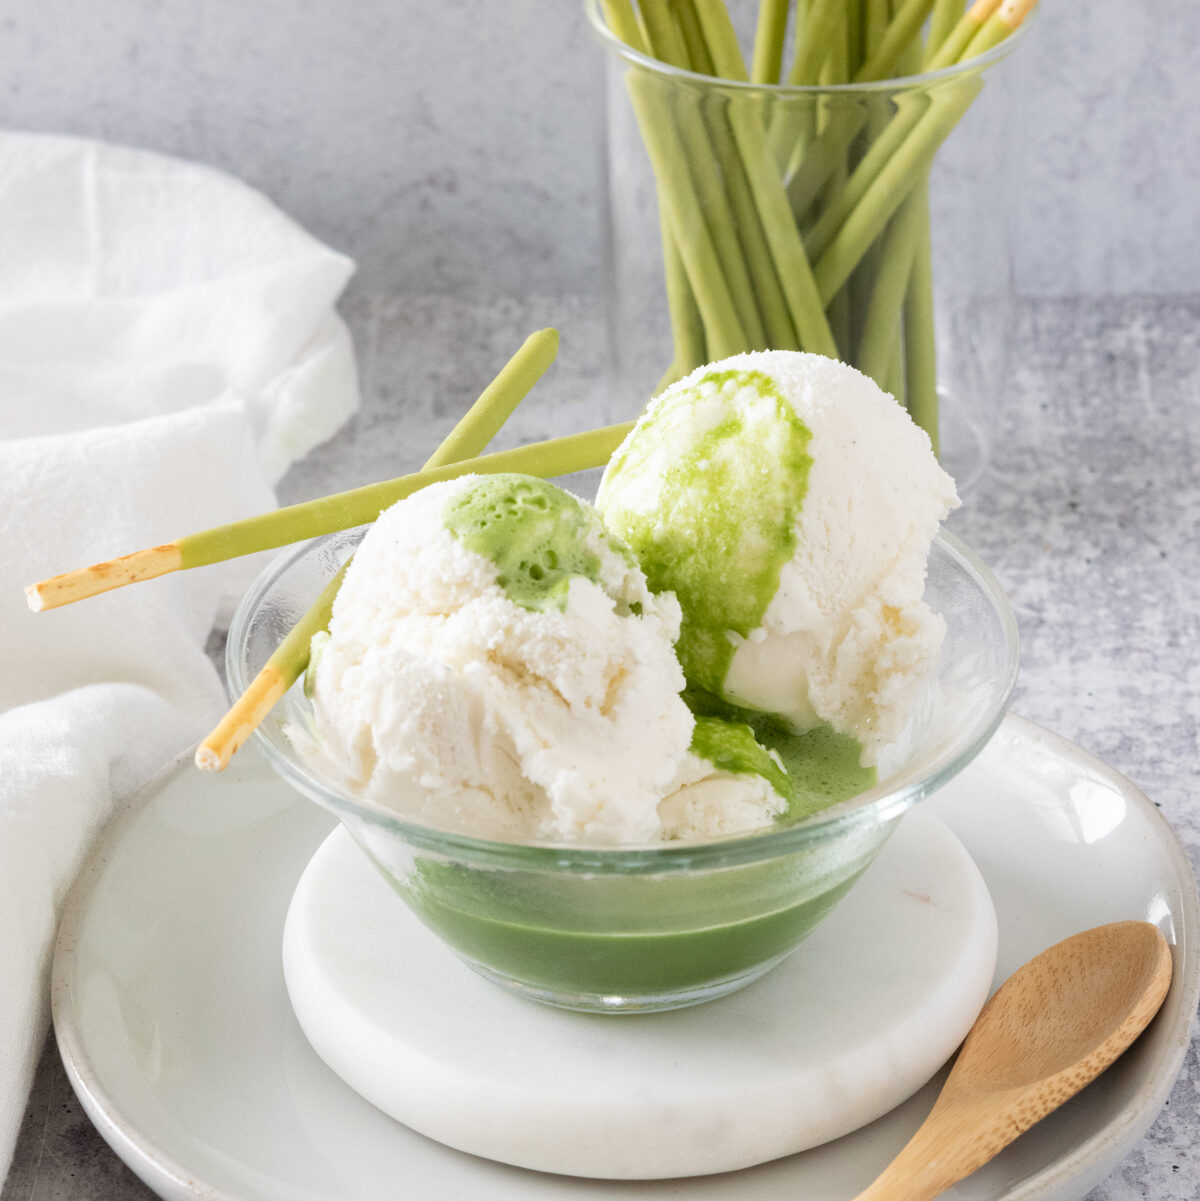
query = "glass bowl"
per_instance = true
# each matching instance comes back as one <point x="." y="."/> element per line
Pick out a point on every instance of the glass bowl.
<point x="659" y="926"/>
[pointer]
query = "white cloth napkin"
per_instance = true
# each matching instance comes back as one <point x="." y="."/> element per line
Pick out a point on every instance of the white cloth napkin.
<point x="168" y="346"/>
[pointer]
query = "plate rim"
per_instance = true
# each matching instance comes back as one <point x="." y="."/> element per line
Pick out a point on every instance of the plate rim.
<point x="154" y="1167"/>
<point x="1095" y="1156"/>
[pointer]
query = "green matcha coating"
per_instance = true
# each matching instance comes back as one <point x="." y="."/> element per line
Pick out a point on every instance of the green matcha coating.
<point x="821" y="766"/>
<point x="728" y="502"/>
<point x="534" y="532"/>
<point x="731" y="746"/>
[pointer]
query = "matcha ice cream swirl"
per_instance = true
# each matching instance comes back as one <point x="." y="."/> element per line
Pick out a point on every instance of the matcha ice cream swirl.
<point x="790" y="506"/>
<point x="708" y="491"/>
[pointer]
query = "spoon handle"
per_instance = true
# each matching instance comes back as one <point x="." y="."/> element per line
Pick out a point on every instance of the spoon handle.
<point x="952" y="1143"/>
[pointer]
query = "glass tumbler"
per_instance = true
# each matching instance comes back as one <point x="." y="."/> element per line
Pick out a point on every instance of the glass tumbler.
<point x="894" y="199"/>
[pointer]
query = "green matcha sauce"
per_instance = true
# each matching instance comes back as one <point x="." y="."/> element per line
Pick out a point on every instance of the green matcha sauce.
<point x="821" y="767"/>
<point x="723" y="523"/>
<point x="531" y="530"/>
<point x="731" y="746"/>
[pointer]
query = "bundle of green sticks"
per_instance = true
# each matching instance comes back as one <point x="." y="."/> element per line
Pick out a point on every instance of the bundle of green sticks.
<point x="796" y="217"/>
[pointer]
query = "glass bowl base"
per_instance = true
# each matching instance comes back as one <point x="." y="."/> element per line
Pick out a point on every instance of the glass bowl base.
<point x="618" y="1003"/>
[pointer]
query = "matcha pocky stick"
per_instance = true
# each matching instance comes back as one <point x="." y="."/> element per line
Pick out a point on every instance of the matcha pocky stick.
<point x="795" y="273"/>
<point x="920" y="349"/>
<point x="555" y="456"/>
<point x="769" y="34"/>
<point x="887" y="178"/>
<point x="285" y="666"/>
<point x="887" y="191"/>
<point x="705" y="163"/>
<point x="777" y="328"/>
<point x="478" y="427"/>
<point x="942" y="20"/>
<point x="955" y="43"/>
<point x="687" y="322"/>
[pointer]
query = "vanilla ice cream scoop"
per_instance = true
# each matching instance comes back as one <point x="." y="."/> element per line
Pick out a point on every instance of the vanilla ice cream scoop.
<point x="497" y="664"/>
<point x="790" y="505"/>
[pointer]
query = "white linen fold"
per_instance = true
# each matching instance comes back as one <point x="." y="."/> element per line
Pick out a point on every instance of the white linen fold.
<point x="168" y="347"/>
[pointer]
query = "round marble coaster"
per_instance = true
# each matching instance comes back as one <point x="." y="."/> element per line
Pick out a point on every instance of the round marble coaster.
<point x="867" y="1010"/>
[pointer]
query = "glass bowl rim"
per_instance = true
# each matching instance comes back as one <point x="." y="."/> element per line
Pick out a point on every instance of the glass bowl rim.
<point x="878" y="804"/>
<point x="899" y="83"/>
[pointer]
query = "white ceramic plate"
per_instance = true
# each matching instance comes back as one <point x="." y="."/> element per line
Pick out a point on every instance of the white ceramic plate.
<point x="175" y="1028"/>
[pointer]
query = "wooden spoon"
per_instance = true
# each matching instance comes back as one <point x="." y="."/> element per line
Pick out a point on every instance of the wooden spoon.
<point x="1051" y="1028"/>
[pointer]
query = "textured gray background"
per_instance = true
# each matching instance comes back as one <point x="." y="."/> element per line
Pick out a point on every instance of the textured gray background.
<point x="455" y="145"/>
